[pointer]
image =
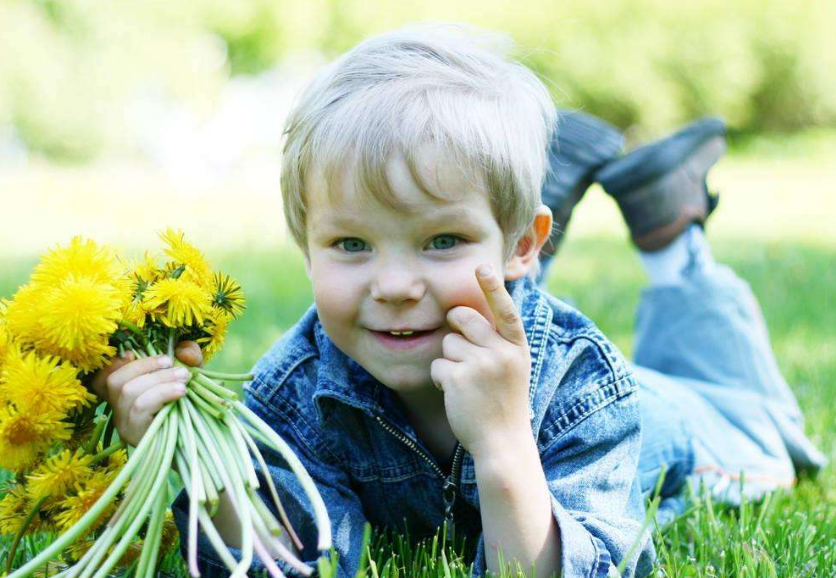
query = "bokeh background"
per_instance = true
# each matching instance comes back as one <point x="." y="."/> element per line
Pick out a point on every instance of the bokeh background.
<point x="120" y="118"/>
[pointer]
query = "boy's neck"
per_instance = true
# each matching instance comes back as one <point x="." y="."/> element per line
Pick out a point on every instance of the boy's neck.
<point x="426" y="413"/>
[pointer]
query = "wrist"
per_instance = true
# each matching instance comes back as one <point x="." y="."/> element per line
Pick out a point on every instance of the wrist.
<point x="504" y="453"/>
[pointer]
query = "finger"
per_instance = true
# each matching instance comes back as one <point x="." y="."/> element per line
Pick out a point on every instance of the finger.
<point x="135" y="388"/>
<point x="189" y="353"/>
<point x="508" y="321"/>
<point x="439" y="372"/>
<point x="472" y="325"/>
<point x="98" y="382"/>
<point x="457" y="348"/>
<point x="116" y="380"/>
<point x="151" y="401"/>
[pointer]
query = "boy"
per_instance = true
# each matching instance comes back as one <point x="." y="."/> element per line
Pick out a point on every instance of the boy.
<point x="420" y="386"/>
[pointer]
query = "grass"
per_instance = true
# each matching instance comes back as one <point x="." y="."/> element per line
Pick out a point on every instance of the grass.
<point x="774" y="227"/>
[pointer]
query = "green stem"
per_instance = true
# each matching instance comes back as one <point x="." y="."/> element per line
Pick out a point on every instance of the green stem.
<point x="213" y="386"/>
<point x="139" y="498"/>
<point x="28" y="520"/>
<point x="270" y="485"/>
<point x="151" y="546"/>
<point x="207" y="395"/>
<point x="113" y="448"/>
<point x="132" y="328"/>
<point x="161" y="478"/>
<point x="323" y="522"/>
<point x="203" y="404"/>
<point x="94" y="512"/>
<point x="97" y="433"/>
<point x="225" y="376"/>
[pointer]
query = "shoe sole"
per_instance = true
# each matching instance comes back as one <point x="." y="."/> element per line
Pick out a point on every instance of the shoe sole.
<point x="683" y="194"/>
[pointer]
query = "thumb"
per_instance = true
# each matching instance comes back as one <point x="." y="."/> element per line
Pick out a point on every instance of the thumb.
<point x="189" y="353"/>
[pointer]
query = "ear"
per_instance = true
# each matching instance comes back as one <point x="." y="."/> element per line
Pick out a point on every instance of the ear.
<point x="528" y="247"/>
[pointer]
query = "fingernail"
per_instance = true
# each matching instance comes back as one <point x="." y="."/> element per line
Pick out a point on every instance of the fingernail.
<point x="164" y="361"/>
<point x="483" y="270"/>
<point x="182" y="373"/>
<point x="180" y="389"/>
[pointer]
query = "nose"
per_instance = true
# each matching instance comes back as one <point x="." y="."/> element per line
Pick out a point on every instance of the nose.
<point x="397" y="283"/>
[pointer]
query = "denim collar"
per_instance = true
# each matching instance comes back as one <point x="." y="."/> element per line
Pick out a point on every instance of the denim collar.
<point x="342" y="379"/>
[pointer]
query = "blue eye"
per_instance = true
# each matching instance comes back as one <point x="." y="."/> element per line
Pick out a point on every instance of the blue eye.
<point x="352" y="245"/>
<point x="442" y="242"/>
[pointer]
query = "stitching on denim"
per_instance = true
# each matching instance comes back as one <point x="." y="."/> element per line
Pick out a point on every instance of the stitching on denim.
<point x="611" y="393"/>
<point x="539" y="333"/>
<point x="278" y="412"/>
<point x="596" y="338"/>
<point x="282" y="374"/>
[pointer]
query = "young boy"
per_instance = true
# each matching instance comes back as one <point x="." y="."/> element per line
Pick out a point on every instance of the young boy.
<point x="433" y="379"/>
<point x="417" y="389"/>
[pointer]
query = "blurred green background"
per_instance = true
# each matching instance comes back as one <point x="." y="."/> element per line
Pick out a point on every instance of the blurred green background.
<point x="69" y="68"/>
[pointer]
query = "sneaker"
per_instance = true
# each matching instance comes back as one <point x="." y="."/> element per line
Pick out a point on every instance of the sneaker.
<point x="661" y="187"/>
<point x="581" y="145"/>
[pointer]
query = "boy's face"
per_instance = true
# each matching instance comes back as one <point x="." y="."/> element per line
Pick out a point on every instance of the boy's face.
<point x="376" y="269"/>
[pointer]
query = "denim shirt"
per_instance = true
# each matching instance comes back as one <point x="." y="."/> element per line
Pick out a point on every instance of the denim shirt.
<point x="353" y="437"/>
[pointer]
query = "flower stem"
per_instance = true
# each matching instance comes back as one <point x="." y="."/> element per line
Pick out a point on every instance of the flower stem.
<point x="28" y="520"/>
<point x="225" y="376"/>
<point x="113" y="448"/>
<point x="323" y="522"/>
<point x="96" y="510"/>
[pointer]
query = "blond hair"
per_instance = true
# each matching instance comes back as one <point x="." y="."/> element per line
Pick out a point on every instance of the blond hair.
<point x="447" y="85"/>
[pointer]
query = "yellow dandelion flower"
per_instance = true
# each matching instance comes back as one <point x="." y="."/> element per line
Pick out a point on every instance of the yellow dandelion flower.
<point x="147" y="269"/>
<point x="80" y="310"/>
<point x="216" y="326"/>
<point x="58" y="473"/>
<point x="132" y="554"/>
<point x="13" y="510"/>
<point x="228" y="295"/>
<point x="169" y="535"/>
<point x="81" y="258"/>
<point x="196" y="268"/>
<point x="23" y="313"/>
<point x="117" y="460"/>
<point x="89" y="491"/>
<point x="24" y="436"/>
<point x="135" y="314"/>
<point x="78" y="549"/>
<point x="41" y="385"/>
<point x="178" y="302"/>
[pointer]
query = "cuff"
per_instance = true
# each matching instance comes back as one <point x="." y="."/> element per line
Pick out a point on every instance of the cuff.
<point x="209" y="564"/>
<point x="582" y="555"/>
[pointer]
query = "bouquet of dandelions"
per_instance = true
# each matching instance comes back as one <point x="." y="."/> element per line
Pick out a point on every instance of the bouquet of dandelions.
<point x="72" y="475"/>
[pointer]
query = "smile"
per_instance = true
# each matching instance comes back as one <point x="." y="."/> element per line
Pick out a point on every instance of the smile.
<point x="403" y="339"/>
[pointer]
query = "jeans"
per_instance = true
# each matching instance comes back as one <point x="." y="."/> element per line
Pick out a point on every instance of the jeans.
<point x="714" y="404"/>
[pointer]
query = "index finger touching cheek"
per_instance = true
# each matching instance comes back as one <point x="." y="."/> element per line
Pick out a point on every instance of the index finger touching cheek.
<point x="508" y="321"/>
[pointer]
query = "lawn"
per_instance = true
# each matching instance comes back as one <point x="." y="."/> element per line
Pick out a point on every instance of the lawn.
<point x="774" y="226"/>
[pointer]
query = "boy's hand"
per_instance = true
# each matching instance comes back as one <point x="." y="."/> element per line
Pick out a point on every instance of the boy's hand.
<point x="485" y="372"/>
<point x="137" y="389"/>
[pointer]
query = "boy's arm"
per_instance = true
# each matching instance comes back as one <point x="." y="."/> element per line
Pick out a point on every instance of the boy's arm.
<point x="595" y="509"/>
<point x="344" y="508"/>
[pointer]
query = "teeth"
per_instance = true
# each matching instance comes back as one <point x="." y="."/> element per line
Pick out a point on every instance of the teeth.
<point x="401" y="332"/>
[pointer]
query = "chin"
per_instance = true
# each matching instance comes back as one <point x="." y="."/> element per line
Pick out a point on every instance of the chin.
<point x="405" y="380"/>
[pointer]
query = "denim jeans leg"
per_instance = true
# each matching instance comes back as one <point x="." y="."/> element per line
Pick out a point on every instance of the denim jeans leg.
<point x="702" y="350"/>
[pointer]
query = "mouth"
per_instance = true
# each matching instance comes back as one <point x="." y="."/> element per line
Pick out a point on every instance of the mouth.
<point x="400" y="339"/>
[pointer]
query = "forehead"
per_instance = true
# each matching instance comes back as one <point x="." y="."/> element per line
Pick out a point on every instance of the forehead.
<point x="430" y="182"/>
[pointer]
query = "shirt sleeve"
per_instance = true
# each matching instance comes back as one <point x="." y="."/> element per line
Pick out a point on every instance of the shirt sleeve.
<point x="343" y="505"/>
<point x="595" y="496"/>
